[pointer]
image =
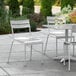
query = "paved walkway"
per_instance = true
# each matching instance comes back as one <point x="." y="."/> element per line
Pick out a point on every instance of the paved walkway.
<point x="17" y="67"/>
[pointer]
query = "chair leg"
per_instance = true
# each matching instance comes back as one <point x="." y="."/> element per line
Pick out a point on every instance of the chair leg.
<point x="25" y="51"/>
<point x="68" y="51"/>
<point x="31" y="53"/>
<point x="10" y="52"/>
<point x="43" y="53"/>
<point x="73" y="50"/>
<point x="46" y="44"/>
<point x="56" y="47"/>
<point x="73" y="47"/>
<point x="64" y="47"/>
<point x="68" y="60"/>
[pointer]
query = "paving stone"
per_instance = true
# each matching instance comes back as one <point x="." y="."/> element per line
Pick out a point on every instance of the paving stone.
<point x="17" y="67"/>
<point x="2" y="73"/>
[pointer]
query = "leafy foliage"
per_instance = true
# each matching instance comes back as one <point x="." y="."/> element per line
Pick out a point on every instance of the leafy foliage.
<point x="4" y="19"/>
<point x="37" y="2"/>
<point x="64" y="3"/>
<point x="6" y="2"/>
<point x="20" y="2"/>
<point x="28" y="7"/>
<point x="14" y="8"/>
<point x="57" y="2"/>
<point x="72" y="16"/>
<point x="46" y="7"/>
<point x="66" y="10"/>
<point x="36" y="20"/>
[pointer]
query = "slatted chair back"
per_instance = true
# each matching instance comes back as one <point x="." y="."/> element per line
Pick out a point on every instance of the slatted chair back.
<point x="74" y="28"/>
<point x="19" y="24"/>
<point x="50" y="20"/>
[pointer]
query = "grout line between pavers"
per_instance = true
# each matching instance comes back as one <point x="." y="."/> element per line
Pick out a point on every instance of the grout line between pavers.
<point x="41" y="53"/>
<point x="5" y="71"/>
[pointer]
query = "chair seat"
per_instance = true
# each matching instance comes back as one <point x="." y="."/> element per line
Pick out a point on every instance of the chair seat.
<point x="74" y="43"/>
<point x="33" y="41"/>
<point x="60" y="34"/>
<point x="21" y="38"/>
<point x="57" y="32"/>
<point x="28" y="40"/>
<point x="68" y="43"/>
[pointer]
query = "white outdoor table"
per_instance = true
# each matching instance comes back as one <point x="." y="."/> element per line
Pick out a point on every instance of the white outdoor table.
<point x="65" y="27"/>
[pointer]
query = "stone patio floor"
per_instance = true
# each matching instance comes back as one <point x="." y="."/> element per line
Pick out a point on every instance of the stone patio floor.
<point x="18" y="66"/>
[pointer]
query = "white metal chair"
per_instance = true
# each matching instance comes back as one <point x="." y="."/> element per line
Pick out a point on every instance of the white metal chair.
<point x="18" y="24"/>
<point x="58" y="34"/>
<point x="66" y="44"/>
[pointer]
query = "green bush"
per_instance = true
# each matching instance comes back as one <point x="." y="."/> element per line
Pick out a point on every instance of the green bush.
<point x="19" y="18"/>
<point x="4" y="24"/>
<point x="28" y="7"/>
<point x="33" y="25"/>
<point x="57" y="2"/>
<point x="6" y="2"/>
<point x="65" y="3"/>
<point x="37" y="2"/>
<point x="5" y="28"/>
<point x="14" y="8"/>
<point x="37" y="19"/>
<point x="46" y="7"/>
<point x="20" y="2"/>
<point x="4" y="20"/>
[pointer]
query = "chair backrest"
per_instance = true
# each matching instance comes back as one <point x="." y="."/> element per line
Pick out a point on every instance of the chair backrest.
<point x="73" y="31"/>
<point x="74" y="28"/>
<point x="18" y="24"/>
<point x="50" y="20"/>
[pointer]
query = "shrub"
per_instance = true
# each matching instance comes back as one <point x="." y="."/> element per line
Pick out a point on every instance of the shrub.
<point x="20" y="2"/>
<point x="72" y="16"/>
<point x="57" y="2"/>
<point x="33" y="25"/>
<point x="37" y="2"/>
<point x="46" y="7"/>
<point x="19" y="18"/>
<point x="65" y="3"/>
<point x="4" y="20"/>
<point x="28" y="7"/>
<point x="6" y="2"/>
<point x="14" y="8"/>
<point x="37" y="19"/>
<point x="5" y="28"/>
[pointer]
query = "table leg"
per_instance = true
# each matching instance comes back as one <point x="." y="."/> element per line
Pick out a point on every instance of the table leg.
<point x="66" y="40"/>
<point x="66" y="47"/>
